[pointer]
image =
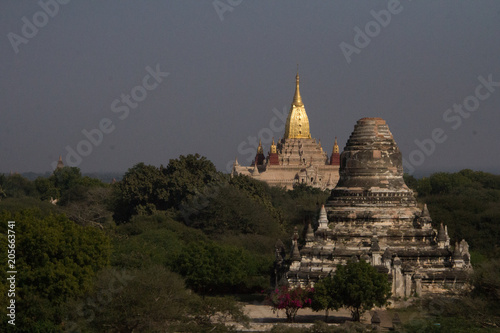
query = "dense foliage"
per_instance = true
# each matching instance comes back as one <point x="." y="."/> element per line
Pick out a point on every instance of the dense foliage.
<point x="149" y="300"/>
<point x="208" y="235"/>
<point x="56" y="260"/>
<point x="468" y="202"/>
<point x="146" y="189"/>
<point x="357" y="286"/>
<point x="208" y="266"/>
<point x="142" y="191"/>
<point x="325" y="296"/>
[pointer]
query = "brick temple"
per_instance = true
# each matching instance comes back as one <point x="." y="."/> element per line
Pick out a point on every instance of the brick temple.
<point x="372" y="215"/>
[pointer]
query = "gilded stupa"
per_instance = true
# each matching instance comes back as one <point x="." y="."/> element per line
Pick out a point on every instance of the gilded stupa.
<point x="297" y="123"/>
<point x="297" y="158"/>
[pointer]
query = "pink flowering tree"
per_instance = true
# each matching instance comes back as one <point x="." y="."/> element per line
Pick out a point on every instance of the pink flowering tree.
<point x="291" y="300"/>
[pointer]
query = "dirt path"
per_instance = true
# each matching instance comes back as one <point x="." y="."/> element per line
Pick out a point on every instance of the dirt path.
<point x="263" y="318"/>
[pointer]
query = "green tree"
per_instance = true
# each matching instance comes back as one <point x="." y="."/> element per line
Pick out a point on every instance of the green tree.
<point x="424" y="187"/>
<point x="142" y="191"/>
<point x="56" y="260"/>
<point x="468" y="202"/>
<point x="77" y="189"/>
<point x="487" y="180"/>
<point x="357" y="286"/>
<point x="305" y="204"/>
<point x="259" y="192"/>
<point x="2" y="193"/>
<point x="410" y="181"/>
<point x="486" y="281"/>
<point x="187" y="176"/>
<point x="65" y="178"/>
<point x="441" y="183"/>
<point x="324" y="297"/>
<point x="229" y="209"/>
<point x="213" y="314"/>
<point x="93" y="207"/>
<point x="147" y="300"/>
<point x="152" y="299"/>
<point x="16" y="186"/>
<point x="46" y="188"/>
<point x="209" y="267"/>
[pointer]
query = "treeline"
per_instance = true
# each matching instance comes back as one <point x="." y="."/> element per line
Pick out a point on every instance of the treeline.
<point x="468" y="202"/>
<point x="125" y="255"/>
<point x="94" y="256"/>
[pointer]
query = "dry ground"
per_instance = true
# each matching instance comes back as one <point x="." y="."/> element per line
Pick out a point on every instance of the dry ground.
<point x="262" y="317"/>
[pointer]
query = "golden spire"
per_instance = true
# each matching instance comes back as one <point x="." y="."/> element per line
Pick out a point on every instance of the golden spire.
<point x="273" y="147"/>
<point x="297" y="123"/>
<point x="297" y="100"/>
<point x="335" y="147"/>
<point x="259" y="149"/>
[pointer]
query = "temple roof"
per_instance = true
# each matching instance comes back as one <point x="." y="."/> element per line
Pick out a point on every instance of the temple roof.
<point x="371" y="160"/>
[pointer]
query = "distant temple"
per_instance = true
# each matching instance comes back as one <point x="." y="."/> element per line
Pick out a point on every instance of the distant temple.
<point x="296" y="158"/>
<point x="60" y="163"/>
<point x="373" y="216"/>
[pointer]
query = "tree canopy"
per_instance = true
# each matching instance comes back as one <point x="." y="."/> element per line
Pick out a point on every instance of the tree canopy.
<point x="217" y="233"/>
<point x="152" y="299"/>
<point x="142" y="191"/>
<point x="146" y="189"/>
<point x="357" y="286"/>
<point x="56" y="260"/>
<point x="324" y="296"/>
<point x="209" y="267"/>
<point x="187" y="176"/>
<point x="468" y="202"/>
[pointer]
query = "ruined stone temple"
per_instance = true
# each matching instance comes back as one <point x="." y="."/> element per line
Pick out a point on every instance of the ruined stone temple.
<point x="296" y="158"/>
<point x="372" y="215"/>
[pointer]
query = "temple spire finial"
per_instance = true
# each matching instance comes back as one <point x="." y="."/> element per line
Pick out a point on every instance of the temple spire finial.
<point x="273" y="148"/>
<point x="260" y="150"/>
<point x="297" y="100"/>
<point x="335" y="147"/>
<point x="60" y="163"/>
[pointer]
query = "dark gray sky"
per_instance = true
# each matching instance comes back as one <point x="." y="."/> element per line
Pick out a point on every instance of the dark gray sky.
<point x="229" y="70"/>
